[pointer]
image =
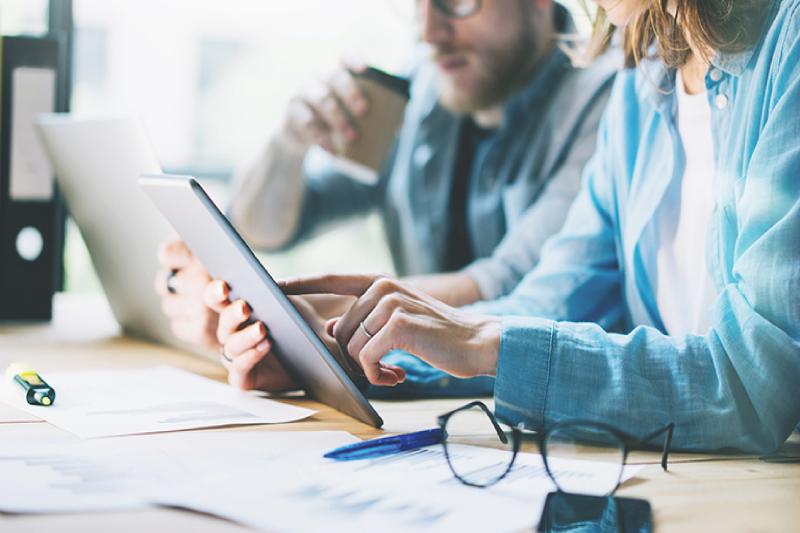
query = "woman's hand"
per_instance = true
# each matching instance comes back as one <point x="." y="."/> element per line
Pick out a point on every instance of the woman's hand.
<point x="180" y="283"/>
<point x="389" y="315"/>
<point x="246" y="347"/>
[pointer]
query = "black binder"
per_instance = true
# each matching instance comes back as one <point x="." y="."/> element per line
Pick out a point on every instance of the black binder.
<point x="31" y="215"/>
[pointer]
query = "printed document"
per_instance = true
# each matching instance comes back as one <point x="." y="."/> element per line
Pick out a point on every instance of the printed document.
<point x="12" y="415"/>
<point x="107" y="403"/>
<point x="280" y="482"/>
<point x="405" y="492"/>
<point x="124" y="473"/>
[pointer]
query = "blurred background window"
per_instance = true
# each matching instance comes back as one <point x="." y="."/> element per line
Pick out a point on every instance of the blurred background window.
<point x="211" y="79"/>
<point x="23" y="17"/>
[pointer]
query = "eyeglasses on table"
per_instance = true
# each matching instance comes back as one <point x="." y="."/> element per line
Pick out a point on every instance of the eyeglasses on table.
<point x="573" y="440"/>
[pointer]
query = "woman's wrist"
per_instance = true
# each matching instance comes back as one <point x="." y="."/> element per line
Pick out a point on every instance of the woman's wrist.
<point x="488" y="333"/>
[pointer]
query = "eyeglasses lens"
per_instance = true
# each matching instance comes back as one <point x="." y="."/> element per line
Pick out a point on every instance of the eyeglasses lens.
<point x="474" y="427"/>
<point x="458" y="8"/>
<point x="450" y="8"/>
<point x="584" y="443"/>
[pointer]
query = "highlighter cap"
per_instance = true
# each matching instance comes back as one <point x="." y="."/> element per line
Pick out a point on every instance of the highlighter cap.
<point x="16" y="369"/>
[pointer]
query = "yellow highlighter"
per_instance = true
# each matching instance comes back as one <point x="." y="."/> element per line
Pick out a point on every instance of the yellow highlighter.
<point x="37" y="392"/>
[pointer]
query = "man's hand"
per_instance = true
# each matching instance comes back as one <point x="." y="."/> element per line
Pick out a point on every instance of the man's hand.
<point x="181" y="283"/>
<point x="325" y="112"/>
<point x="389" y="315"/>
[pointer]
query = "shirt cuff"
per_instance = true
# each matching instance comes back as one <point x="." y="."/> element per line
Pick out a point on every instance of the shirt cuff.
<point x="425" y="381"/>
<point x="523" y="370"/>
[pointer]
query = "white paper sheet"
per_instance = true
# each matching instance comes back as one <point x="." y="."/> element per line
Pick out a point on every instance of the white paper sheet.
<point x="405" y="492"/>
<point x="124" y="473"/>
<point x="106" y="403"/>
<point x="12" y="415"/>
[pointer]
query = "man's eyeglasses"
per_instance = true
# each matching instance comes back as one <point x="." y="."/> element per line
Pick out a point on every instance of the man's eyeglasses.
<point x="457" y="9"/>
<point x="573" y="440"/>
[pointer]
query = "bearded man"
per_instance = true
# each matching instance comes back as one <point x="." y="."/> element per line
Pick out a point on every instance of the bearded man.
<point x="485" y="166"/>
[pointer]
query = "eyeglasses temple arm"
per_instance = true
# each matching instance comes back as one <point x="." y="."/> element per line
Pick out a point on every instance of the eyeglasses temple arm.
<point x="667" y="442"/>
<point x="500" y="434"/>
<point x="667" y="446"/>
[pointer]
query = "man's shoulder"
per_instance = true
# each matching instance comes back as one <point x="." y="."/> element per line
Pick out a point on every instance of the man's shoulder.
<point x="584" y="84"/>
<point x="582" y="93"/>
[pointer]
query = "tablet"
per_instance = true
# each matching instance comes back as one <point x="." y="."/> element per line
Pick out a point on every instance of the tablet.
<point x="222" y="251"/>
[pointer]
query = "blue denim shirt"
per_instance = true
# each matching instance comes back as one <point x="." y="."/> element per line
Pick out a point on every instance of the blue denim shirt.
<point x="526" y="179"/>
<point x="582" y="334"/>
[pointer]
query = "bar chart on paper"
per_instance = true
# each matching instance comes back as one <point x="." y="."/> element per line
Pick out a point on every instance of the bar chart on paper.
<point x="118" y="474"/>
<point x="401" y="492"/>
<point x="73" y="482"/>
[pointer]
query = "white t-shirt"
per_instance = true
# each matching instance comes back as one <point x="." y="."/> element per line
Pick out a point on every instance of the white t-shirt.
<point x="685" y="293"/>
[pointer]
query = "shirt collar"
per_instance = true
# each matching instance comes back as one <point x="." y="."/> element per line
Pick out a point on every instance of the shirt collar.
<point x="525" y="101"/>
<point x="735" y="64"/>
<point x="659" y="82"/>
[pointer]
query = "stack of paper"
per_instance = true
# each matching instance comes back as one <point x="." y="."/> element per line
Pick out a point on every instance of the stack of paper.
<point x="279" y="482"/>
<point x="12" y="415"/>
<point x="405" y="492"/>
<point x="266" y="480"/>
<point x="105" y="403"/>
<point x="126" y="473"/>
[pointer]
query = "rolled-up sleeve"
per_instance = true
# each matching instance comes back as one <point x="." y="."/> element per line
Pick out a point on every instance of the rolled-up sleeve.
<point x="267" y="200"/>
<point x="289" y="192"/>
<point x="526" y="346"/>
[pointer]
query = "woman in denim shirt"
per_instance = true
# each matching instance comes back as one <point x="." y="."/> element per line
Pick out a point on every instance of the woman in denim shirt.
<point x="601" y="328"/>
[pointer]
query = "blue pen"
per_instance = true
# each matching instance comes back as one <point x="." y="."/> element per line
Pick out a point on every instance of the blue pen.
<point x="370" y="449"/>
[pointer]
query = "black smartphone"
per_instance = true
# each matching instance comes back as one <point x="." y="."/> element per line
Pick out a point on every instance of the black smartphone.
<point x="565" y="512"/>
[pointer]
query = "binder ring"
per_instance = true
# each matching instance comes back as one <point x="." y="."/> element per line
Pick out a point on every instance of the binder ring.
<point x="170" y="278"/>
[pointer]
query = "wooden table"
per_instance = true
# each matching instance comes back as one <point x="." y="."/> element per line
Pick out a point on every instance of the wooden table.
<point x="699" y="493"/>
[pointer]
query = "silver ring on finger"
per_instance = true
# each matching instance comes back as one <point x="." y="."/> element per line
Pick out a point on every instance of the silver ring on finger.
<point x="363" y="329"/>
<point x="222" y="353"/>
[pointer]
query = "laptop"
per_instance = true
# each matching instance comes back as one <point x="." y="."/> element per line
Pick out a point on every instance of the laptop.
<point x="97" y="162"/>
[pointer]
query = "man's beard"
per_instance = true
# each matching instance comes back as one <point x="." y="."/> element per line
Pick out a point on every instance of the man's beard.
<point x="500" y="77"/>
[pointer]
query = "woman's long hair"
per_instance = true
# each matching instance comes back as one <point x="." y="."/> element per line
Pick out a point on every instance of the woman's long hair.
<point x="710" y="25"/>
